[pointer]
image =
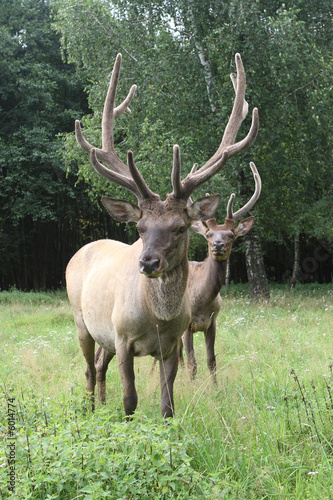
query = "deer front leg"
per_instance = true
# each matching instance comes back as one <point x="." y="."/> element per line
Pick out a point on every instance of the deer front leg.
<point x="102" y="360"/>
<point x="189" y="349"/>
<point x="168" y="372"/>
<point x="210" y="343"/>
<point x="125" y="360"/>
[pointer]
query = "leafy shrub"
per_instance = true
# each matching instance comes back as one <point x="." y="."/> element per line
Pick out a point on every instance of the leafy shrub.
<point x="62" y="452"/>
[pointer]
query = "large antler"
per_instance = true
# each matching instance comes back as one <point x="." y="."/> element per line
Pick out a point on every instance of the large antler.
<point x="118" y="172"/>
<point x="247" y="207"/>
<point x="128" y="175"/>
<point x="228" y="148"/>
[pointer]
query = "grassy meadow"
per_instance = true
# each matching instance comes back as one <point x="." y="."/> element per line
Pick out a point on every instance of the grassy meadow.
<point x="265" y="431"/>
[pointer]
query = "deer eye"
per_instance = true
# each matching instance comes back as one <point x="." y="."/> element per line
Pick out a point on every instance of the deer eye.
<point x="181" y="230"/>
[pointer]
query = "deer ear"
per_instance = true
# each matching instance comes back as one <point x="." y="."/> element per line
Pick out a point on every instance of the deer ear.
<point x="204" y="208"/>
<point x="244" y="226"/>
<point x="121" y="210"/>
<point x="199" y="227"/>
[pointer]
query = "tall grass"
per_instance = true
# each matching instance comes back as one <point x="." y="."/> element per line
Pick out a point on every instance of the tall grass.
<point x="264" y="431"/>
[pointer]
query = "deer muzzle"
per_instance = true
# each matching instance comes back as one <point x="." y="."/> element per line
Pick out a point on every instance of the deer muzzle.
<point x="150" y="267"/>
<point x="218" y="246"/>
<point x="220" y="251"/>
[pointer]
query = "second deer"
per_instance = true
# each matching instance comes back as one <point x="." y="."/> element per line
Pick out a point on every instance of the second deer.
<point x="207" y="278"/>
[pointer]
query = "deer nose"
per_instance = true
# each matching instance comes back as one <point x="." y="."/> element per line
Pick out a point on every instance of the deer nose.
<point x="218" y="245"/>
<point x="149" y="267"/>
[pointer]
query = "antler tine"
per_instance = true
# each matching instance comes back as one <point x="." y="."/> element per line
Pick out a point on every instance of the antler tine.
<point x="176" y="171"/>
<point x="112" y="176"/>
<point x="228" y="147"/>
<point x="85" y="145"/>
<point x="115" y="170"/>
<point x="240" y="107"/>
<point x="195" y="179"/>
<point x="194" y="169"/>
<point x="238" y="114"/>
<point x="116" y="164"/>
<point x="242" y="211"/>
<point x="123" y="107"/>
<point x="109" y="111"/>
<point x="136" y="184"/>
<point x="107" y="154"/>
<point x="140" y="183"/>
<point x="234" y="81"/>
<point x="230" y="205"/>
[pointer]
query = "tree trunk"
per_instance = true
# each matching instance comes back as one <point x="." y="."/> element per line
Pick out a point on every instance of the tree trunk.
<point x="203" y="58"/>
<point x="259" y="289"/>
<point x="296" y="266"/>
<point x="227" y="275"/>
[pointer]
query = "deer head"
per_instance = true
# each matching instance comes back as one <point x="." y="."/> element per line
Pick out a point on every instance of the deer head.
<point x="221" y="237"/>
<point x="163" y="225"/>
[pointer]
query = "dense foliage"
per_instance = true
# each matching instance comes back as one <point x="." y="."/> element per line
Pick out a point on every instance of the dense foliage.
<point x="44" y="216"/>
<point x="180" y="56"/>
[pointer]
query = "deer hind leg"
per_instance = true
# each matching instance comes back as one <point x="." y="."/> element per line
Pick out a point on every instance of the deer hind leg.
<point x="168" y="372"/>
<point x="189" y="349"/>
<point x="153" y="366"/>
<point x="87" y="344"/>
<point x="210" y="343"/>
<point x="102" y="360"/>
<point x="180" y="353"/>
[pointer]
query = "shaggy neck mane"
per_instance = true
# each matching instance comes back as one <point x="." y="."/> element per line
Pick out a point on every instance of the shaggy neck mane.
<point x="165" y="294"/>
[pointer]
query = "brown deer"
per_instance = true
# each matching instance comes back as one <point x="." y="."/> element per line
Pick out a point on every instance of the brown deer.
<point x="133" y="299"/>
<point x="207" y="278"/>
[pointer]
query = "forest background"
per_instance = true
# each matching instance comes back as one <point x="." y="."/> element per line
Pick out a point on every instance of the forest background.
<point x="56" y="59"/>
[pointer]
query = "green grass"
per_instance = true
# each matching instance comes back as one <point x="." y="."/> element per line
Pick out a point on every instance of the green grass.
<point x="264" y="432"/>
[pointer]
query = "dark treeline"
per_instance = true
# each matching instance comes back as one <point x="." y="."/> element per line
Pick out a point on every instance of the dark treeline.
<point x="49" y="194"/>
<point x="38" y="260"/>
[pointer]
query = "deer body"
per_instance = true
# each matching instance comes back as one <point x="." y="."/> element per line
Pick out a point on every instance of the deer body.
<point x="205" y="282"/>
<point x="133" y="300"/>
<point x="207" y="278"/>
<point x="143" y="305"/>
<point x="133" y="314"/>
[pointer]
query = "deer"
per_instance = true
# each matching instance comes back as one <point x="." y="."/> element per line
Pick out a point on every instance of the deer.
<point x="207" y="278"/>
<point x="133" y="300"/>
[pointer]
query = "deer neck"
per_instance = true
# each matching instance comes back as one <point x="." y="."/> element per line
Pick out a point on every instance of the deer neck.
<point x="215" y="271"/>
<point x="165" y="295"/>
